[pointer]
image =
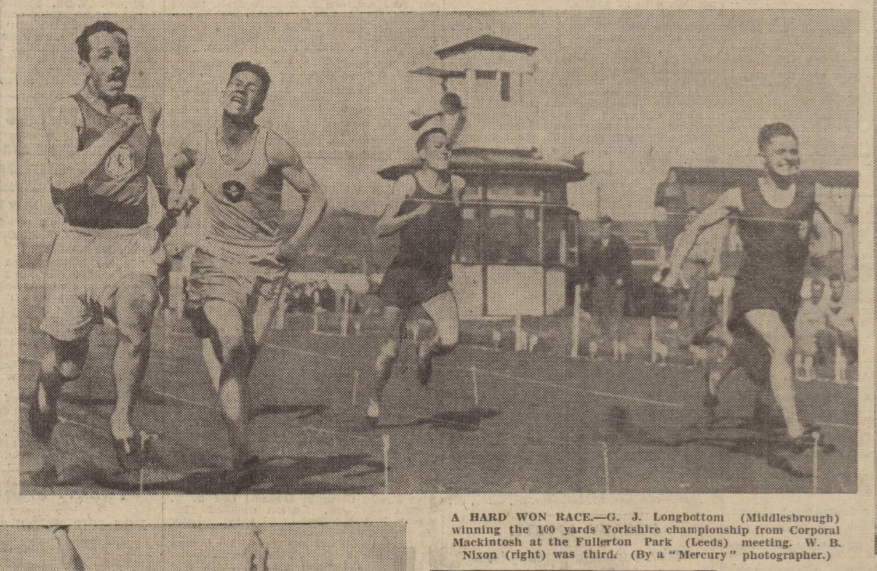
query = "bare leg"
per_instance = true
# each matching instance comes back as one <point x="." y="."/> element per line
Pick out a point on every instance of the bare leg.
<point x="234" y="396"/>
<point x="134" y="307"/>
<point x="442" y="309"/>
<point x="769" y="326"/>
<point x="209" y="350"/>
<point x="395" y="319"/>
<point x="62" y="364"/>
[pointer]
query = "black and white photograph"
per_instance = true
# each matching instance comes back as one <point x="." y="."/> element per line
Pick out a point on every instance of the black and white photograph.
<point x="271" y="547"/>
<point x="609" y="251"/>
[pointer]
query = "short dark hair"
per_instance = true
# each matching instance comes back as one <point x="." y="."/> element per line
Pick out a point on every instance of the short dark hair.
<point x="82" y="45"/>
<point x="256" y="70"/>
<point x="421" y="140"/>
<point x="835" y="277"/>
<point x="605" y="220"/>
<point x="452" y="99"/>
<point x="772" y="130"/>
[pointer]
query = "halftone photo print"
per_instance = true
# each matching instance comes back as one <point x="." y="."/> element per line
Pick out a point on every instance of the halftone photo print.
<point x="438" y="253"/>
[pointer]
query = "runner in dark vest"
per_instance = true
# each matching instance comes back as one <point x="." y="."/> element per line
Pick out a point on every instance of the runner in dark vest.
<point x="776" y="211"/>
<point x="103" y="148"/>
<point x="425" y="211"/>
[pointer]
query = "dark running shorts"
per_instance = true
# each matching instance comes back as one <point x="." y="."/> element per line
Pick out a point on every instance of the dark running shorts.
<point x="406" y="287"/>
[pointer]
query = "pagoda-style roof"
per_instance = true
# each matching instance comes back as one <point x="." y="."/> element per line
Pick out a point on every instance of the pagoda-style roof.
<point x="486" y="43"/>
<point x="472" y="160"/>
<point x="443" y="74"/>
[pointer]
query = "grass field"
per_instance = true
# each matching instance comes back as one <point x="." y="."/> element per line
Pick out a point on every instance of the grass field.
<point x="542" y="422"/>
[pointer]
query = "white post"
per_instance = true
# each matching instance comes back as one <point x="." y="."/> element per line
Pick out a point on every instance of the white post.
<point x="605" y="466"/>
<point x="519" y="334"/>
<point x="345" y="317"/>
<point x="840" y="365"/>
<point x="355" y="384"/>
<point x="415" y="332"/>
<point x="816" y="462"/>
<point x="386" y="441"/>
<point x="576" y="322"/>
<point x="280" y="313"/>
<point x="474" y="384"/>
<point x="654" y="325"/>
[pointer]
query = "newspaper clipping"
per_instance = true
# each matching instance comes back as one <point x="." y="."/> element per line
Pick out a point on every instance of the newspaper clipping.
<point x="437" y="286"/>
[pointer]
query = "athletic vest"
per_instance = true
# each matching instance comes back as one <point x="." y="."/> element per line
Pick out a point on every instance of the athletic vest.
<point x="775" y="240"/>
<point x="114" y="194"/>
<point x="242" y="205"/>
<point x="429" y="241"/>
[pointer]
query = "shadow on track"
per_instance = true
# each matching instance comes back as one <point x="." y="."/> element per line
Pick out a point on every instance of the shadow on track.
<point x="765" y="439"/>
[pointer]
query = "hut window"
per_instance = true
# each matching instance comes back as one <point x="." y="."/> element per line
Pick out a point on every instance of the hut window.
<point x="502" y="212"/>
<point x="484" y="74"/>
<point x="505" y="86"/>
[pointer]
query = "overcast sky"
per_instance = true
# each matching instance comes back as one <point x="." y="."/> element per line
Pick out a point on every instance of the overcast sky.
<point x="329" y="547"/>
<point x="637" y="91"/>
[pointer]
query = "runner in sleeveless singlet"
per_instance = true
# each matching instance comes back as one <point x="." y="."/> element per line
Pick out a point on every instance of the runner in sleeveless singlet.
<point x="102" y="145"/>
<point x="775" y="212"/>
<point x="425" y="210"/>
<point x="238" y="269"/>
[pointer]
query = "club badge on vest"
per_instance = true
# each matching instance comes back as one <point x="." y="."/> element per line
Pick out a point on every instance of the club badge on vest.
<point x="120" y="162"/>
<point x="233" y="190"/>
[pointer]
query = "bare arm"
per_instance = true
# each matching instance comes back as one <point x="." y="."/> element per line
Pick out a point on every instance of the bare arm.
<point x="155" y="167"/>
<point x="68" y="166"/>
<point x="183" y="160"/>
<point x="459" y="185"/>
<point x="457" y="129"/>
<point x="391" y="221"/>
<point x="829" y="212"/>
<point x="730" y="200"/>
<point x="283" y="156"/>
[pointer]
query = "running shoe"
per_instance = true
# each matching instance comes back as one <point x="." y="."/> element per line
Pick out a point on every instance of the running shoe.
<point x="42" y="422"/>
<point x="132" y="453"/>
<point x="424" y="364"/>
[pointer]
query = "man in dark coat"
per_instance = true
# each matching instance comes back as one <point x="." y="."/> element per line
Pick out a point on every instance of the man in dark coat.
<point x="607" y="275"/>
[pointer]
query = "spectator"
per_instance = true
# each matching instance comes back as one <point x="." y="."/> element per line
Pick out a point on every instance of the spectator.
<point x="608" y="270"/>
<point x="327" y="296"/>
<point x="347" y="299"/>
<point x="810" y="324"/>
<point x="307" y="299"/>
<point x="843" y="320"/>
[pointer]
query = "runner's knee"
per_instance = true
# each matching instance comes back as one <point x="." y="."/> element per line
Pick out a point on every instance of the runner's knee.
<point x="135" y="305"/>
<point x="388" y="354"/>
<point x="66" y="358"/>
<point x="390" y="350"/>
<point x="448" y="337"/>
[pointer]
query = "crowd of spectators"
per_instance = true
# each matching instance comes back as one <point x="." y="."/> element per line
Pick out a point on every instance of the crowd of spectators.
<point x="319" y="294"/>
